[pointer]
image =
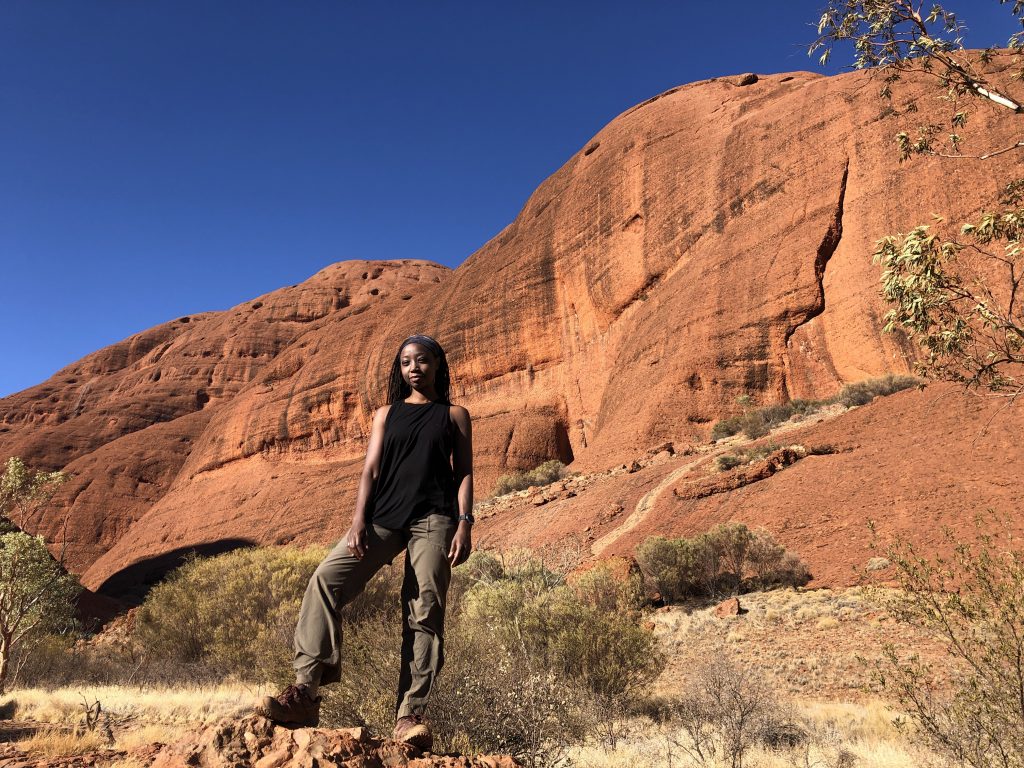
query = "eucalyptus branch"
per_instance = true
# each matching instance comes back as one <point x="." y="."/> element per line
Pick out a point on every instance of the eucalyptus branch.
<point x="986" y="156"/>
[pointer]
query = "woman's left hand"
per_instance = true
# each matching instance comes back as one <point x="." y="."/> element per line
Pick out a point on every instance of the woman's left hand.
<point x="462" y="544"/>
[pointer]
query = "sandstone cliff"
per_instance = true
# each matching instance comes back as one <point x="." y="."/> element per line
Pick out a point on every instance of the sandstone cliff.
<point x="709" y="242"/>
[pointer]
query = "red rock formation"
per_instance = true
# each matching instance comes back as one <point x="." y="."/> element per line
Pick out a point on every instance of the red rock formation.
<point x="710" y="242"/>
<point x="256" y="741"/>
<point x="914" y="463"/>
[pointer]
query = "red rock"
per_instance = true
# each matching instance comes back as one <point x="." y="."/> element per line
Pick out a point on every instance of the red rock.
<point x="712" y="240"/>
<point x="257" y="742"/>
<point x="730" y="607"/>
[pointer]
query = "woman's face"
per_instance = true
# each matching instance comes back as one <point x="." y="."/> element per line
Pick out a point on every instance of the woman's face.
<point x="419" y="367"/>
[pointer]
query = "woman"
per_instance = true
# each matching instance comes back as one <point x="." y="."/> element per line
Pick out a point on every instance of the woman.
<point x="415" y="494"/>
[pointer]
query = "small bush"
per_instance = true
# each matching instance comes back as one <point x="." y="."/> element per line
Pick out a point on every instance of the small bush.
<point x="754" y="425"/>
<point x="533" y="659"/>
<point x="724" y="711"/>
<point x="495" y="698"/>
<point x="46" y="663"/>
<point x="233" y="614"/>
<point x="725" y="428"/>
<point x="757" y="422"/>
<point x="544" y="474"/>
<point x="531" y="651"/>
<point x="744" y="455"/>
<point x="728" y="461"/>
<point x="971" y="603"/>
<point x="863" y="392"/>
<point x="728" y="559"/>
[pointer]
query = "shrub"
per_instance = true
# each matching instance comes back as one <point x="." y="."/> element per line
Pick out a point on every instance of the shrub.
<point x="526" y="649"/>
<point x="47" y="662"/>
<point x="744" y="455"/>
<point x="725" y="428"/>
<point x="534" y="648"/>
<point x="233" y="614"/>
<point x="757" y="422"/>
<point x="728" y="460"/>
<point x="754" y="424"/>
<point x="496" y="696"/>
<point x="37" y="597"/>
<point x="725" y="709"/>
<point x="971" y="602"/>
<point x="669" y="565"/>
<point x="544" y="474"/>
<point x="729" y="558"/>
<point x="863" y="392"/>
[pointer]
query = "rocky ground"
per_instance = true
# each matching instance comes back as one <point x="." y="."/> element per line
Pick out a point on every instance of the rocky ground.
<point x="255" y="741"/>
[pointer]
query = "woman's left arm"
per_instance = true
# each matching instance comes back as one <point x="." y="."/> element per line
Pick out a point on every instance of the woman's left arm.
<point x="462" y="465"/>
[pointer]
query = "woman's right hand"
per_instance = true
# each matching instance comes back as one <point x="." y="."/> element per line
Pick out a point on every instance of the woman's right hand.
<point x="355" y="539"/>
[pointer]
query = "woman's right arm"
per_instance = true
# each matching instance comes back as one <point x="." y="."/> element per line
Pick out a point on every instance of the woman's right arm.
<point x="355" y="539"/>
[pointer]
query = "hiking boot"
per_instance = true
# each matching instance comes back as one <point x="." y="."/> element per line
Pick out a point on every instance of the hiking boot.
<point x="414" y="730"/>
<point x="293" y="706"/>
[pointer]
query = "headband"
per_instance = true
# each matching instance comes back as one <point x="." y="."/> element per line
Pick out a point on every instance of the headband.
<point x="426" y="341"/>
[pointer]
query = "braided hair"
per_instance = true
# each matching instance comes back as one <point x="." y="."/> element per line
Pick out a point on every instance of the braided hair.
<point x="399" y="389"/>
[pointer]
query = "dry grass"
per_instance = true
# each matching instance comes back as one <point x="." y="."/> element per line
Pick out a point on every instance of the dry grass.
<point x="54" y="743"/>
<point x="156" y="705"/>
<point x="808" y="643"/>
<point x="863" y="731"/>
<point x="804" y="642"/>
<point x="152" y="733"/>
<point x="136" y="716"/>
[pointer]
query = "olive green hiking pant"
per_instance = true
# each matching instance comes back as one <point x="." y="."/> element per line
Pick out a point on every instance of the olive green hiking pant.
<point x="341" y="576"/>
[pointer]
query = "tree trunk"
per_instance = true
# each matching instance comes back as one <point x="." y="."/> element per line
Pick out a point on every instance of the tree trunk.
<point x="5" y="658"/>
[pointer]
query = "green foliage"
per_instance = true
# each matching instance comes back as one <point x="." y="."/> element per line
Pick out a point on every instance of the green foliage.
<point x="725" y="428"/>
<point x="586" y="632"/>
<point x="728" y="559"/>
<point x="528" y="652"/>
<point x="24" y="491"/>
<point x="744" y="456"/>
<point x="541" y="659"/>
<point x="863" y="392"/>
<point x="971" y="603"/>
<point x="893" y="37"/>
<point x="757" y="422"/>
<point x="235" y="612"/>
<point x="544" y="474"/>
<point x="959" y="301"/>
<point x="955" y="294"/>
<point x="37" y="596"/>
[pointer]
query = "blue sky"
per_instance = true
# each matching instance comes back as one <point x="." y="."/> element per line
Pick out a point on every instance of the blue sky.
<point x="164" y="158"/>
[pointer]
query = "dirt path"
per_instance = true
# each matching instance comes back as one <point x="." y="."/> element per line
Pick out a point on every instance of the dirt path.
<point x="642" y="508"/>
<point x="646" y="502"/>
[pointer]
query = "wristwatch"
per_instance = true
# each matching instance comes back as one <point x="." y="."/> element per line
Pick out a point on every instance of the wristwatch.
<point x="468" y="517"/>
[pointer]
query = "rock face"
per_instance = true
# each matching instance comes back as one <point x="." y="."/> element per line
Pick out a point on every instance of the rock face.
<point x="710" y="242"/>
<point x="915" y="463"/>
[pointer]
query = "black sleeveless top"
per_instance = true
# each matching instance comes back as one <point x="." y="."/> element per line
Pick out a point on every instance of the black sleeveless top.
<point x="416" y="477"/>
